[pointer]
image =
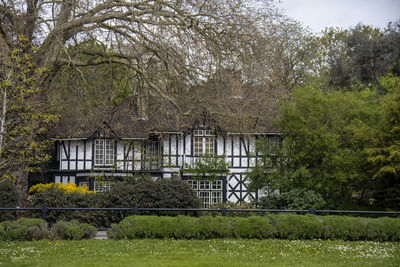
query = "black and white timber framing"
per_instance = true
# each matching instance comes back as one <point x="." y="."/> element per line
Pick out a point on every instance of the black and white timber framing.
<point x="162" y="155"/>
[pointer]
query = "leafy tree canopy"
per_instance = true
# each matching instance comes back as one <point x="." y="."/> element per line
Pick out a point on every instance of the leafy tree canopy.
<point x="319" y="149"/>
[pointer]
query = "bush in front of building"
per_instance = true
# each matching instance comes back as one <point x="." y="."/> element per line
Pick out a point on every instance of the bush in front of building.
<point x="136" y="191"/>
<point x="66" y="188"/>
<point x="147" y="192"/>
<point x="295" y="199"/>
<point x="58" y="198"/>
<point x="283" y="226"/>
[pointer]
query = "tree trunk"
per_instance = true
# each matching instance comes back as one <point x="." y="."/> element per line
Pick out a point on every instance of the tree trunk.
<point x="142" y="105"/>
<point x="22" y="187"/>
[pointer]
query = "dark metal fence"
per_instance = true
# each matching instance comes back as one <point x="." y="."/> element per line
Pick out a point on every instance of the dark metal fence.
<point x="136" y="210"/>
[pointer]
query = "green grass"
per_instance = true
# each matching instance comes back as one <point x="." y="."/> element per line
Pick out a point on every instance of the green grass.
<point x="219" y="252"/>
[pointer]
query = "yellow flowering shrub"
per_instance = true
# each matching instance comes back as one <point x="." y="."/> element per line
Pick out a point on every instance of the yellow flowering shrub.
<point x="66" y="188"/>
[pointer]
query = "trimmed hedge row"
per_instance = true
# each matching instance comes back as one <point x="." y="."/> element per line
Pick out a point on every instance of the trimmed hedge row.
<point x="284" y="226"/>
<point x="35" y="229"/>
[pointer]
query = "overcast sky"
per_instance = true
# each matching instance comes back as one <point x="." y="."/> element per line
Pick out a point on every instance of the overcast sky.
<point x="318" y="14"/>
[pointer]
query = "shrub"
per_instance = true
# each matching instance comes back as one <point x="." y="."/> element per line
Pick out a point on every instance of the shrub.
<point x="54" y="197"/>
<point x="184" y="227"/>
<point x="72" y="230"/>
<point x="346" y="227"/>
<point x="8" y="199"/>
<point x="291" y="226"/>
<point x="383" y="229"/>
<point x="253" y="227"/>
<point x="140" y="191"/>
<point x="24" y="229"/>
<point x="145" y="192"/>
<point x="66" y="188"/>
<point x="285" y="226"/>
<point x="267" y="202"/>
<point x="296" y="199"/>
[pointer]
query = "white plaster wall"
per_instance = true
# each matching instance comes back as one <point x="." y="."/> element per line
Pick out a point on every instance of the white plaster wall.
<point x="64" y="165"/>
<point x="80" y="165"/>
<point x="120" y="151"/>
<point x="119" y="165"/>
<point x="188" y="160"/>
<point x="137" y="155"/>
<point x="89" y="151"/>
<point x="245" y="162"/>
<point x="62" y="152"/>
<point x="238" y="170"/>
<point x="228" y="143"/>
<point x="72" y="164"/>
<point x="236" y="162"/>
<point x="188" y="144"/>
<point x="173" y="150"/>
<point x="236" y="144"/>
<point x="81" y="151"/>
<point x="165" y="144"/>
<point x="180" y="150"/>
<point x="252" y="145"/>
<point x="220" y="146"/>
<point x="88" y="165"/>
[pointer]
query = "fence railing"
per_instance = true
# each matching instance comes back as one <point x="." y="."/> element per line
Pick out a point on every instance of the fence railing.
<point x="136" y="210"/>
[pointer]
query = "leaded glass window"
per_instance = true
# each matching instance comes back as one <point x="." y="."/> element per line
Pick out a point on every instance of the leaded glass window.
<point x="209" y="192"/>
<point x="102" y="186"/>
<point x="203" y="142"/>
<point x="104" y="152"/>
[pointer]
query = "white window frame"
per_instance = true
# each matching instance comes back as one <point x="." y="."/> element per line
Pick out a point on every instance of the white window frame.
<point x="208" y="191"/>
<point x="103" y="152"/>
<point x="83" y="183"/>
<point x="203" y="142"/>
<point x="102" y="186"/>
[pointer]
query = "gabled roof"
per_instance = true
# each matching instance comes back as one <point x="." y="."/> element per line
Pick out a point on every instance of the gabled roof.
<point x="244" y="114"/>
<point x="105" y="131"/>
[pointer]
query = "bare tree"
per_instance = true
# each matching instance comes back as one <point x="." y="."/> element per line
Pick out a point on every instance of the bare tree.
<point x="183" y="36"/>
<point x="167" y="45"/>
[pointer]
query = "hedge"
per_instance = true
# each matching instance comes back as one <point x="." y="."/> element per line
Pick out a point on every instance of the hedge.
<point x="140" y="191"/>
<point x="24" y="229"/>
<point x="283" y="226"/>
<point x="27" y="229"/>
<point x="72" y="230"/>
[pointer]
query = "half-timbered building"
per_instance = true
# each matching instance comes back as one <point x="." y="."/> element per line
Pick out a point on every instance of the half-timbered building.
<point x="162" y="154"/>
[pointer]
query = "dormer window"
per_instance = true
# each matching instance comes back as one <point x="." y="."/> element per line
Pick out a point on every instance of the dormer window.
<point x="203" y="142"/>
<point x="104" y="152"/>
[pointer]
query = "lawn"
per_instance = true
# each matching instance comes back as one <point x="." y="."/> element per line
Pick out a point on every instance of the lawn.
<point x="219" y="252"/>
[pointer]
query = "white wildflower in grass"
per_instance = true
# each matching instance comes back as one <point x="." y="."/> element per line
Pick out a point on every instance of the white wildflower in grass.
<point x="218" y="252"/>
